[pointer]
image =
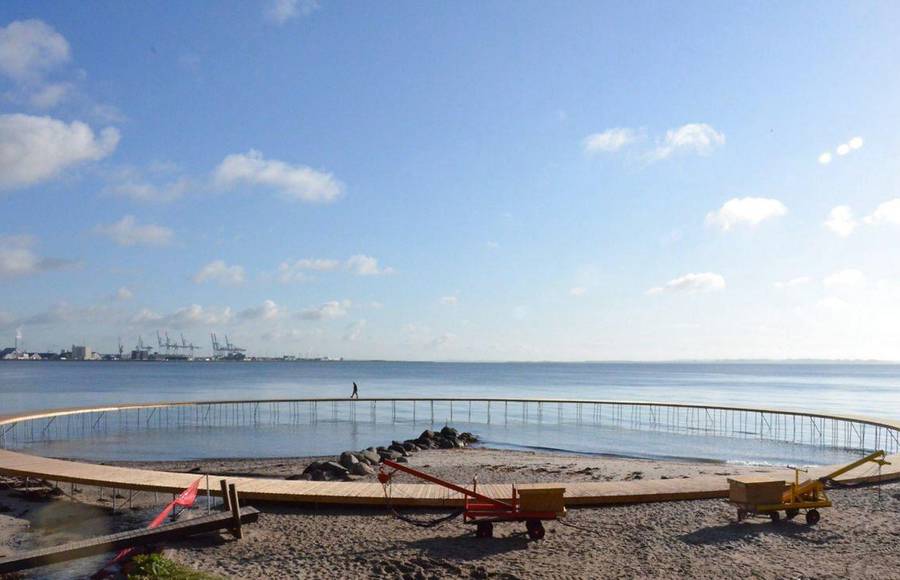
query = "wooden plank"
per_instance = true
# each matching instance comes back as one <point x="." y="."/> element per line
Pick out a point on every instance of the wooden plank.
<point x="223" y="483"/>
<point x="235" y="511"/>
<point x="121" y="540"/>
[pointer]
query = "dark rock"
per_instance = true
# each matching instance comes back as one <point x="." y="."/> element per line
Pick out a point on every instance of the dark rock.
<point x="426" y="435"/>
<point x="348" y="459"/>
<point x="399" y="449"/>
<point x="335" y="467"/>
<point x="372" y="456"/>
<point x="449" y="432"/>
<point x="389" y="454"/>
<point x="402" y="460"/>
<point x="410" y="446"/>
<point x="318" y="475"/>
<point x="361" y="469"/>
<point x="315" y="465"/>
<point x="444" y="443"/>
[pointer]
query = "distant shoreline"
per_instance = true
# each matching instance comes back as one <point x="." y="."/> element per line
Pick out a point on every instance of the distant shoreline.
<point x="802" y="361"/>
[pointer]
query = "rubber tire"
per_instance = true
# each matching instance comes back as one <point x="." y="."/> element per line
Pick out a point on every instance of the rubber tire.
<point x="776" y="517"/>
<point x="791" y="513"/>
<point x="535" y="529"/>
<point x="812" y="517"/>
<point x="484" y="530"/>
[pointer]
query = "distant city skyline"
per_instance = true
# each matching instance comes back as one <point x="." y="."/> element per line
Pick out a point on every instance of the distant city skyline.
<point x="430" y="181"/>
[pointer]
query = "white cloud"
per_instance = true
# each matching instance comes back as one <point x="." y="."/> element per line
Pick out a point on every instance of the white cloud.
<point x="363" y="265"/>
<point x="127" y="232"/>
<point x="189" y="316"/>
<point x="132" y="186"/>
<point x="34" y="149"/>
<point x="296" y="182"/>
<point x="698" y="138"/>
<point x="610" y="140"/>
<point x="449" y="300"/>
<point x="360" y="264"/>
<point x="145" y="315"/>
<point x="18" y="258"/>
<point x="844" y="279"/>
<point x="50" y="95"/>
<point x="794" y="282"/>
<point x="268" y="310"/>
<point x="195" y="315"/>
<point x="745" y="210"/>
<point x="691" y="284"/>
<point x="280" y="11"/>
<point x="841" y="221"/>
<point x="295" y="271"/>
<point x="841" y="150"/>
<point x="123" y="294"/>
<point x="887" y="212"/>
<point x="355" y="331"/>
<point x="220" y="272"/>
<point x="832" y="303"/>
<point x="30" y="48"/>
<point x="442" y="340"/>
<point x="327" y="311"/>
<point x="578" y="291"/>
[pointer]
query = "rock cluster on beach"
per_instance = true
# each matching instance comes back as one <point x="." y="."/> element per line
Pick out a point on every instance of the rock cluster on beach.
<point x="354" y="465"/>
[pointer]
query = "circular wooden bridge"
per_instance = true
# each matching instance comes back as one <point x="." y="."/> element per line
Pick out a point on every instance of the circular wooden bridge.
<point x="849" y="433"/>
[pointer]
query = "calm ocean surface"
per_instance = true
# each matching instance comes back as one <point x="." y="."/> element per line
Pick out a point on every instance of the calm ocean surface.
<point x="869" y="389"/>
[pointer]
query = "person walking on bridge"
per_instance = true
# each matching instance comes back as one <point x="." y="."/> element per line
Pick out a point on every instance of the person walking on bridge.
<point x="355" y="393"/>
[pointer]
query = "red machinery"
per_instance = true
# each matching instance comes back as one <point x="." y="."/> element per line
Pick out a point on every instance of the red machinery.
<point x="531" y="506"/>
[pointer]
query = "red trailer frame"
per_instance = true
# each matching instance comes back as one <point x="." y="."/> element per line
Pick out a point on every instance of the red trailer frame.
<point x="480" y="510"/>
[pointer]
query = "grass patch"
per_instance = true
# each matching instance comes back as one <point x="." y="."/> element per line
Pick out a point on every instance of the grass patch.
<point x="158" y="567"/>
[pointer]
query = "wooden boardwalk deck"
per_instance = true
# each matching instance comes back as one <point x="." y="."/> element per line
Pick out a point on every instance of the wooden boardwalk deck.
<point x="406" y="494"/>
<point x="403" y="494"/>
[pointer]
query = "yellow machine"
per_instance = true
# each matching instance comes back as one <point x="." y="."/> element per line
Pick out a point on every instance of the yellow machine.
<point x="763" y="496"/>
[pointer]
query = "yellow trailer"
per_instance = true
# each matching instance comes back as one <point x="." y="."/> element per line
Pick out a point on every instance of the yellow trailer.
<point x="765" y="496"/>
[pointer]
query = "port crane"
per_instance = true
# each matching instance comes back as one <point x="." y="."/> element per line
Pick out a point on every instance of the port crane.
<point x="142" y="348"/>
<point x="228" y="350"/>
<point x="188" y="346"/>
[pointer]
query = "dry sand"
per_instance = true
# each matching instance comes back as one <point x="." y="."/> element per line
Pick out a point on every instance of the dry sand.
<point x="860" y="538"/>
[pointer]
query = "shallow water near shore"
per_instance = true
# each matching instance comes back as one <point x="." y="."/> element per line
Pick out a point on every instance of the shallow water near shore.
<point x="871" y="389"/>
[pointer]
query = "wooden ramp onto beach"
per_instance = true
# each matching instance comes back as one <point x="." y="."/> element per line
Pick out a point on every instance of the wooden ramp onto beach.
<point x="122" y="540"/>
<point x="402" y="494"/>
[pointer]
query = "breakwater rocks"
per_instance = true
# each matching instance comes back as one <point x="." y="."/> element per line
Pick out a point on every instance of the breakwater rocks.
<point x="355" y="465"/>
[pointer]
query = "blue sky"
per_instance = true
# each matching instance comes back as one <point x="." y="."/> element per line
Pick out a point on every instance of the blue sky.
<point x="478" y="181"/>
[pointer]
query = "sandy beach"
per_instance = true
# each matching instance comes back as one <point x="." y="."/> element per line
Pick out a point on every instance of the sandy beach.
<point x="856" y="539"/>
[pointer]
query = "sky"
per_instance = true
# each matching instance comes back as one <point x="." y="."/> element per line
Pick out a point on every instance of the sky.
<point x="453" y="181"/>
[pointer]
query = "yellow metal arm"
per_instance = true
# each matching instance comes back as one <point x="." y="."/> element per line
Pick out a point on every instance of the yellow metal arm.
<point x="815" y="487"/>
<point x="876" y="457"/>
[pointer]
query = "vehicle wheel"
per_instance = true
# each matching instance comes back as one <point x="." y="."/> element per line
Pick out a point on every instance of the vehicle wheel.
<point x="812" y="517"/>
<point x="484" y="530"/>
<point x="776" y="517"/>
<point x="791" y="513"/>
<point x="535" y="529"/>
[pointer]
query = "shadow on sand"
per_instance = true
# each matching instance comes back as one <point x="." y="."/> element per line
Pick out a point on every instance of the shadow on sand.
<point x="469" y="548"/>
<point x="736" y="531"/>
